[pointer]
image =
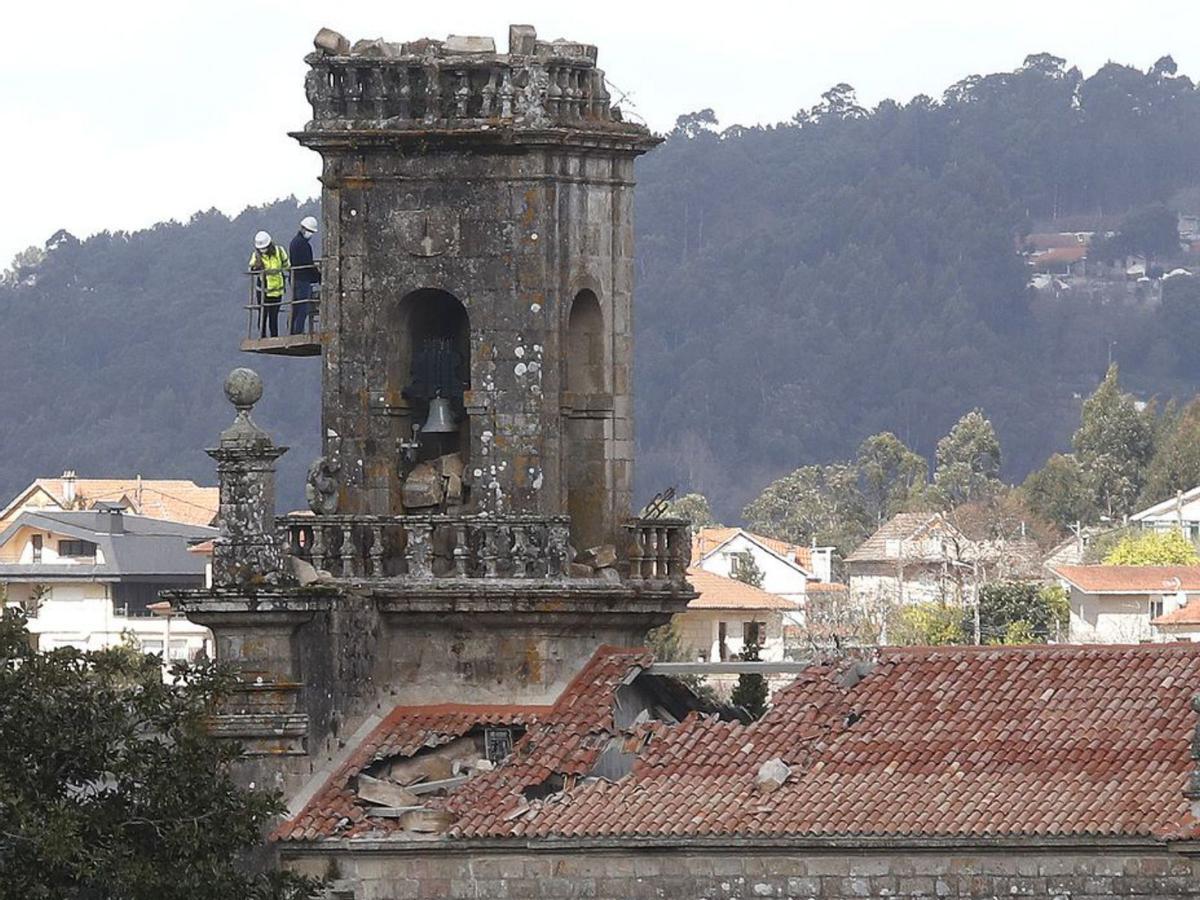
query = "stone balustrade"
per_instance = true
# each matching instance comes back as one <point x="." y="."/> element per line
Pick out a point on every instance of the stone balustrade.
<point x="660" y="550"/>
<point x="469" y="547"/>
<point x="434" y="83"/>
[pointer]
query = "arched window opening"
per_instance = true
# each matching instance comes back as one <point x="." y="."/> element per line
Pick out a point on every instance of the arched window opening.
<point x="586" y="369"/>
<point x="432" y="359"/>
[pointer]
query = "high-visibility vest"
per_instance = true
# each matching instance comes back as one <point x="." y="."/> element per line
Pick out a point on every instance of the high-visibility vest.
<point x="272" y="265"/>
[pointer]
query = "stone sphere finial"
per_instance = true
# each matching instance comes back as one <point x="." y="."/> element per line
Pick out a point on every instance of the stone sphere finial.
<point x="244" y="388"/>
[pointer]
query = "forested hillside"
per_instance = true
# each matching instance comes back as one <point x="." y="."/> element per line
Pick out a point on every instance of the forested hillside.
<point x="801" y="286"/>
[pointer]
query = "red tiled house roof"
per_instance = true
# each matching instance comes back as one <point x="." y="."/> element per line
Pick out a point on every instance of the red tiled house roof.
<point x="956" y="742"/>
<point x="719" y="592"/>
<point x="1131" y="579"/>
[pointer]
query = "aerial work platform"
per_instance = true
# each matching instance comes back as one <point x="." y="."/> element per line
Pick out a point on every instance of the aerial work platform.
<point x="261" y="314"/>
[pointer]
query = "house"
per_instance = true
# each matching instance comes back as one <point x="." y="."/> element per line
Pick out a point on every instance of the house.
<point x="728" y="615"/>
<point x="1119" y="604"/>
<point x="786" y="568"/>
<point x="1179" y="513"/>
<point x="1179" y="624"/>
<point x="175" y="500"/>
<point x="1072" y="551"/>
<point x="911" y="558"/>
<point x="90" y="578"/>
<point x="955" y="771"/>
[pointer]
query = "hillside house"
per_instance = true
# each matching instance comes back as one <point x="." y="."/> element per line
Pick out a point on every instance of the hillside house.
<point x="1125" y="604"/>
<point x="728" y="615"/>
<point x="175" y="500"/>
<point x="911" y="558"/>
<point x="1179" y="513"/>
<point x="787" y="568"/>
<point x="89" y="578"/>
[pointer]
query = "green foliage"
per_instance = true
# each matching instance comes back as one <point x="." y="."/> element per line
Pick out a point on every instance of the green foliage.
<point x="111" y="787"/>
<point x="695" y="508"/>
<point x="928" y="624"/>
<point x="1179" y="323"/>
<point x="747" y="570"/>
<point x="1060" y="492"/>
<point x="1152" y="231"/>
<point x="968" y="461"/>
<point x="667" y="645"/>
<point x="813" y="503"/>
<point x="1019" y="612"/>
<point x="1175" y="465"/>
<point x="890" y="475"/>
<point x="1153" y="548"/>
<point x="751" y="691"/>
<point x="1114" y="445"/>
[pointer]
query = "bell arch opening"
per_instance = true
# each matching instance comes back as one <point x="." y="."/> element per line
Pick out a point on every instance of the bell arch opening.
<point x="431" y="361"/>
<point x="586" y="373"/>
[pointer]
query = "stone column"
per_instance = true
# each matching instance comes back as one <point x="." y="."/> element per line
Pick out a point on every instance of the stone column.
<point x="249" y="550"/>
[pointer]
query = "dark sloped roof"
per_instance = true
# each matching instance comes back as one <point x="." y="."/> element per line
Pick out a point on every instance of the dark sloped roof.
<point x="146" y="547"/>
<point x="900" y="527"/>
<point x="1046" y="741"/>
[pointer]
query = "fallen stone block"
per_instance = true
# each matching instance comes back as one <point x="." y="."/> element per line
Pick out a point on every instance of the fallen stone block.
<point x="330" y="41"/>
<point x="522" y="39"/>
<point x="771" y="775"/>
<point x="460" y="43"/>
<point x="378" y="792"/>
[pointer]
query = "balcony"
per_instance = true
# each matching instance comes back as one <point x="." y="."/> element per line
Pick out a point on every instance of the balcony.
<point x="260" y="314"/>
<point x="465" y="548"/>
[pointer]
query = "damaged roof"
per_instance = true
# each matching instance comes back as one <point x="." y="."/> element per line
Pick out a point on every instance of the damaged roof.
<point x="954" y="742"/>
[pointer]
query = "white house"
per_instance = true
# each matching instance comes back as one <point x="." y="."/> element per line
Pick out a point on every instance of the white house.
<point x="1179" y="513"/>
<point x="730" y="614"/>
<point x="1124" y="604"/>
<point x="786" y="568"/>
<point x="911" y="558"/>
<point x="90" y="579"/>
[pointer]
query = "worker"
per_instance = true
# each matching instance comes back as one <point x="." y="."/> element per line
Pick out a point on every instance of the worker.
<point x="272" y="261"/>
<point x="305" y="274"/>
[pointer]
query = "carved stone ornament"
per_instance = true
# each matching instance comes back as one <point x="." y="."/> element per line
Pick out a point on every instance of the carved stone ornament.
<point x="321" y="491"/>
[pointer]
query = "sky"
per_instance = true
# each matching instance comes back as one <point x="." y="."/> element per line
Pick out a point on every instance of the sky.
<point x="124" y="113"/>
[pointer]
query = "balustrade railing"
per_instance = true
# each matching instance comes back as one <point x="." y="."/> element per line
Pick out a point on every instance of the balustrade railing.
<point x="428" y="90"/>
<point x="426" y="547"/>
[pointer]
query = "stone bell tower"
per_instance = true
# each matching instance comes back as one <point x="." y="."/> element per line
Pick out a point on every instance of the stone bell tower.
<point x="479" y="243"/>
<point x="471" y="537"/>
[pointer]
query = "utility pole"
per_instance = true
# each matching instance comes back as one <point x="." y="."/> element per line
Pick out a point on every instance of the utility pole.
<point x="975" y="592"/>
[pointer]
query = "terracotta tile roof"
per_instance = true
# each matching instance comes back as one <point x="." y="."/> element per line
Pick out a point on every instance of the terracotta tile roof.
<point x="719" y="592"/>
<point x="900" y="527"/>
<point x="1131" y="579"/>
<point x="1056" y="255"/>
<point x="174" y="500"/>
<point x="825" y="587"/>
<point x="1188" y="614"/>
<point x="706" y="540"/>
<point x="1069" y="740"/>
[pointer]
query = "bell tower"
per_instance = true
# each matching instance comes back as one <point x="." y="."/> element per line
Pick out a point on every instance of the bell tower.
<point x="479" y="242"/>
<point x="471" y="536"/>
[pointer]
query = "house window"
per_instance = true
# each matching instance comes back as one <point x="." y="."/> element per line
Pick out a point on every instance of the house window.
<point x="754" y="633"/>
<point x="79" y="549"/>
<point x="1156" y="607"/>
<point x="36" y="543"/>
<point x="722" y="637"/>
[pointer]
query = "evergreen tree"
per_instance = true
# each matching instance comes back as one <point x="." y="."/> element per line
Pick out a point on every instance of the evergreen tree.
<point x="891" y="475"/>
<point x="695" y="508"/>
<point x="1175" y="465"/>
<point x="751" y="691"/>
<point x="1114" y="445"/>
<point x="968" y="461"/>
<point x="747" y="570"/>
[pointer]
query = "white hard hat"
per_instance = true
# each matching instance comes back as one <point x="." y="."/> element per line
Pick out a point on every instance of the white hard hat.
<point x="309" y="223"/>
<point x="262" y="241"/>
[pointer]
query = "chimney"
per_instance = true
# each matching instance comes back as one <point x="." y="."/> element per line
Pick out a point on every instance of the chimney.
<point x="112" y="518"/>
<point x="822" y="563"/>
<point x="68" y="478"/>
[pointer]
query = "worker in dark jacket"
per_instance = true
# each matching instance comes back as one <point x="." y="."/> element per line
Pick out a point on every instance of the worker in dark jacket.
<point x="305" y="274"/>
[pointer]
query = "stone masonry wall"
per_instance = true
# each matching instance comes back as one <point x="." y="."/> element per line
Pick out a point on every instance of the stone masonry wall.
<point x="725" y="874"/>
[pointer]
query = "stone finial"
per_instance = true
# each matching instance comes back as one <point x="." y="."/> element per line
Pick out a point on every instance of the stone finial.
<point x="243" y="388"/>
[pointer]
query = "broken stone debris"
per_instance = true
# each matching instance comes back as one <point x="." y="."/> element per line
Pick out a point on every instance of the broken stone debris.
<point x="306" y="573"/>
<point x="329" y="41"/>
<point x="457" y="43"/>
<point x="432" y="483"/>
<point x="379" y="792"/>
<point x="771" y="775"/>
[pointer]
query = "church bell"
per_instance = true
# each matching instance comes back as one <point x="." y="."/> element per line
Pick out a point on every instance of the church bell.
<point x="440" y="419"/>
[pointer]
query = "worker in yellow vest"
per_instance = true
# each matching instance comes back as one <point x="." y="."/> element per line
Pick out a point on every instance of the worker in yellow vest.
<point x="270" y="261"/>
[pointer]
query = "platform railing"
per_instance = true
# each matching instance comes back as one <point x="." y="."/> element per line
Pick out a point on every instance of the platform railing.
<point x="259" y="308"/>
<point x="657" y="551"/>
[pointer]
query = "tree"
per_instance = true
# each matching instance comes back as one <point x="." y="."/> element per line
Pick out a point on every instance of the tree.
<point x="747" y="570"/>
<point x="1153" y="548"/>
<point x="112" y="787"/>
<point x="813" y="503"/>
<point x="695" y="508"/>
<point x="928" y="624"/>
<point x="692" y="124"/>
<point x="968" y="460"/>
<point x="1114" y="445"/>
<point x="751" y="691"/>
<point x="1175" y="465"/>
<point x="1019" y="612"/>
<point x="1149" y="232"/>
<point x="1059" y="492"/>
<point x="890" y="475"/>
